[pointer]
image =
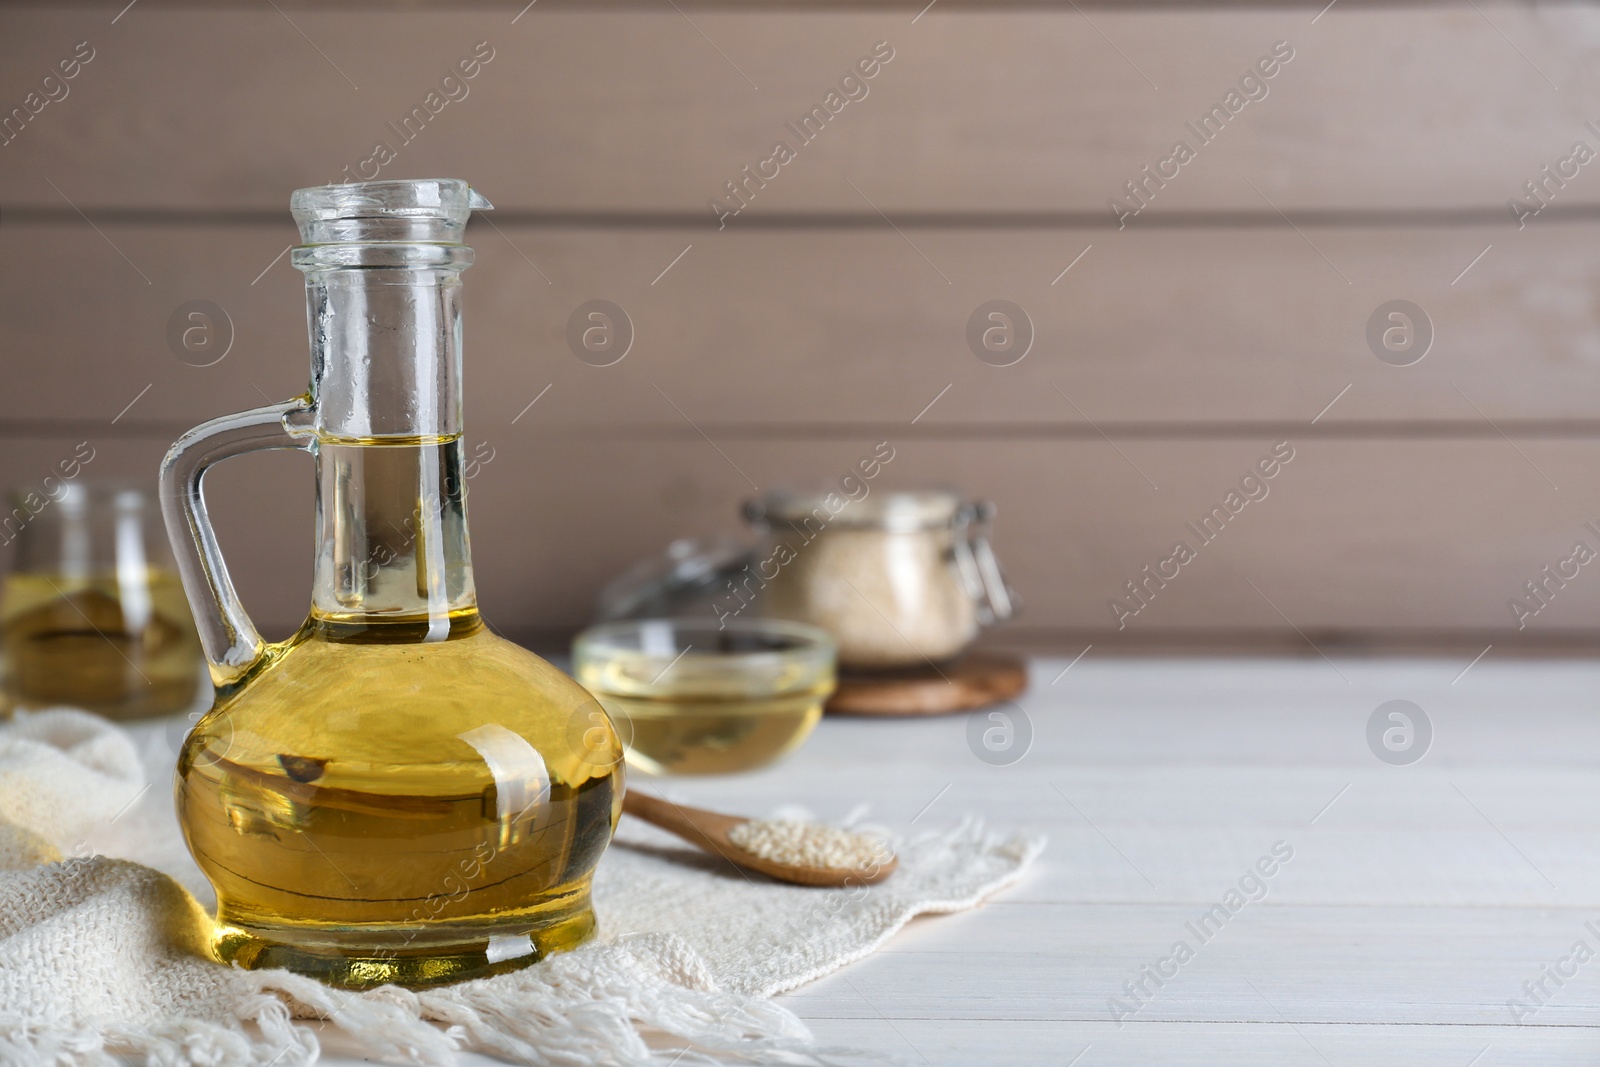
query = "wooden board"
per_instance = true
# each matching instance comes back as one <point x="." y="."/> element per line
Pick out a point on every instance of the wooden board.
<point x="1152" y="333"/>
<point x="975" y="680"/>
<point x="1352" y="534"/>
<point x="1417" y="108"/>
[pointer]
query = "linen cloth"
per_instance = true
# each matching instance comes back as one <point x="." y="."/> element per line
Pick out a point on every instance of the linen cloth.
<point x="102" y="956"/>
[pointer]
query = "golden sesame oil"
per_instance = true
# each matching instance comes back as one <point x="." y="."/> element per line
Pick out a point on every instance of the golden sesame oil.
<point x="694" y="696"/>
<point x="678" y="735"/>
<point x="406" y="798"/>
<point x="122" y="647"/>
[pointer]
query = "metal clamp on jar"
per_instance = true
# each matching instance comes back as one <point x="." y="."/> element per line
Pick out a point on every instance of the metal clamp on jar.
<point x="898" y="579"/>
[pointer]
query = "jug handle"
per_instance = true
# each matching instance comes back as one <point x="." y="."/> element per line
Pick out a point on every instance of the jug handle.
<point x="231" y="643"/>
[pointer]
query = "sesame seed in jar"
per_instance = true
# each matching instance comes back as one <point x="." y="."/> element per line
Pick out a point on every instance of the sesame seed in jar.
<point x="808" y="844"/>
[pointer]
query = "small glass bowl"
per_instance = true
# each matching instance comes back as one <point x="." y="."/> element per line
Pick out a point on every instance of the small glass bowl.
<point x="691" y="697"/>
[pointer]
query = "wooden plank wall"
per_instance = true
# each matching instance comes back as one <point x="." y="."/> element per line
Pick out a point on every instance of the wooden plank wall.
<point x="1185" y="341"/>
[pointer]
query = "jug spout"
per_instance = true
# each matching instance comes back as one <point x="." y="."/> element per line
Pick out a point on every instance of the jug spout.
<point x="426" y="210"/>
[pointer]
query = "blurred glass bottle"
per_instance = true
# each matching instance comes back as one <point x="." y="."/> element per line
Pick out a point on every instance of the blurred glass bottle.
<point x="92" y="613"/>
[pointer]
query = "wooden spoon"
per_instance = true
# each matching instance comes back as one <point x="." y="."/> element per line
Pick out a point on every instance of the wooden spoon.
<point x="709" y="830"/>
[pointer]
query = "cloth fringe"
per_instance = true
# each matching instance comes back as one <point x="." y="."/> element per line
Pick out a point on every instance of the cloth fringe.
<point x="598" y="1006"/>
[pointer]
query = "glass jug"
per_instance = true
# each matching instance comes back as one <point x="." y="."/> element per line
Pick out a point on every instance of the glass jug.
<point x="394" y="793"/>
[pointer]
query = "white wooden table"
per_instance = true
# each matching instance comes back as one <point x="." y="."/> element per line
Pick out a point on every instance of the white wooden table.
<point x="1418" y="900"/>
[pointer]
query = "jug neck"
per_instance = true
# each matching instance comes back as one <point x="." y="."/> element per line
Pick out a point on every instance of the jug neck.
<point x="383" y="263"/>
<point x="385" y="340"/>
<point x="392" y="546"/>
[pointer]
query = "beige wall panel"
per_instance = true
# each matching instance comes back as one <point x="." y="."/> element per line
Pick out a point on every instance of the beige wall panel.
<point x="1382" y="107"/>
<point x="1352" y="536"/>
<point x="764" y="329"/>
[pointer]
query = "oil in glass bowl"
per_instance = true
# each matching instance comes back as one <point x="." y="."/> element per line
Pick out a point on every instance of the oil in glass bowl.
<point x="690" y="697"/>
<point x="92" y="612"/>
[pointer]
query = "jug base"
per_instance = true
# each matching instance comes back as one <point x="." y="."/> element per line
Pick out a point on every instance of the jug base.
<point x="357" y="959"/>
